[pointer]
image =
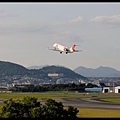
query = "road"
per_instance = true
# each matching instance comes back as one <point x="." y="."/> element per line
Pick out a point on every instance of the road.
<point x="86" y="103"/>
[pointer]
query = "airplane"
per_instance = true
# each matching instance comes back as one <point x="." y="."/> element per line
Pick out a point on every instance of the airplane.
<point x="62" y="48"/>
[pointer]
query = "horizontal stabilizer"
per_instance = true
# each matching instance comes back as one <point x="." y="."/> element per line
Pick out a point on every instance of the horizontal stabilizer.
<point x="79" y="50"/>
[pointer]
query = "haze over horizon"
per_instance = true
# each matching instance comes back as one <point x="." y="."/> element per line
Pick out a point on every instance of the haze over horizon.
<point x="28" y="29"/>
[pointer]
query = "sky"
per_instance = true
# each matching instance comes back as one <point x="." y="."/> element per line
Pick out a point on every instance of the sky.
<point x="28" y="29"/>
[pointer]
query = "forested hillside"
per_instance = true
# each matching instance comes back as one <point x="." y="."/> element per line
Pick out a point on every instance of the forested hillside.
<point x="11" y="69"/>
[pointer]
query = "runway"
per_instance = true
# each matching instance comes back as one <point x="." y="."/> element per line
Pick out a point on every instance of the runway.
<point x="86" y="103"/>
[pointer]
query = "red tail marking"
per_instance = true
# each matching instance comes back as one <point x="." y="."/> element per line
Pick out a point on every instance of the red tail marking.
<point x="73" y="47"/>
<point x="118" y="78"/>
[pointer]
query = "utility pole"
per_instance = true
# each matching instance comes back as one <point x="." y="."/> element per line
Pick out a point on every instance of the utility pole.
<point x="113" y="87"/>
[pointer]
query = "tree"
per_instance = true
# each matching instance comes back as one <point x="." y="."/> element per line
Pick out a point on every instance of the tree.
<point x="72" y="112"/>
<point x="53" y="109"/>
<point x="29" y="107"/>
<point x="90" y="85"/>
<point x="19" y="108"/>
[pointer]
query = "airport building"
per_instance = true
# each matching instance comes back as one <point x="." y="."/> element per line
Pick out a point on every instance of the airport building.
<point x="55" y="74"/>
<point x="117" y="89"/>
<point x="111" y="89"/>
<point x="94" y="89"/>
<point x="106" y="90"/>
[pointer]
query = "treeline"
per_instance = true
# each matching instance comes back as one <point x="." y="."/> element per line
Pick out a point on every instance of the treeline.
<point x="54" y="87"/>
<point x="29" y="107"/>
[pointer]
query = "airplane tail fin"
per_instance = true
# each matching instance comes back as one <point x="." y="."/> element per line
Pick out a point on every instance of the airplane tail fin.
<point x="72" y="48"/>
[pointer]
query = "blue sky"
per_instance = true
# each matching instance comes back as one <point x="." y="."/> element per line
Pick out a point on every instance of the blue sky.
<point x="27" y="29"/>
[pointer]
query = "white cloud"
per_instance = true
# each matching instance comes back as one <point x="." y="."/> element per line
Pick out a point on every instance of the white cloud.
<point x="79" y="19"/>
<point x="115" y="19"/>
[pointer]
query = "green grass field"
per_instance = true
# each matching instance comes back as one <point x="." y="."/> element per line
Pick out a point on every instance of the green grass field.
<point x="60" y="94"/>
<point x="98" y="113"/>
<point x="83" y="112"/>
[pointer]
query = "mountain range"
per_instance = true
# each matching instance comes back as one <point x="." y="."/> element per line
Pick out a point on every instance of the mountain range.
<point x="12" y="69"/>
<point x="98" y="72"/>
<point x="90" y="72"/>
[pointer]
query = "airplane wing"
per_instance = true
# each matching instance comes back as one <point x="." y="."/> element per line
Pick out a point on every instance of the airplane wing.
<point x="52" y="49"/>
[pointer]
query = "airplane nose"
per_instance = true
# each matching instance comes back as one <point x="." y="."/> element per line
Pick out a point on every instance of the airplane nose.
<point x="54" y="45"/>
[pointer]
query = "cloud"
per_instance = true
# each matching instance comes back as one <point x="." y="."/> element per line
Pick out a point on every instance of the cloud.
<point x="79" y="19"/>
<point x="115" y="19"/>
<point x="10" y="25"/>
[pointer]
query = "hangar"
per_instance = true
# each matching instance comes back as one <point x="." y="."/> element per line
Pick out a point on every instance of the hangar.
<point x="117" y="89"/>
<point x="106" y="89"/>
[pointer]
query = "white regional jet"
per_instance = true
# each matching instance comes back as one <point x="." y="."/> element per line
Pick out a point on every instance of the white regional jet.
<point x="61" y="48"/>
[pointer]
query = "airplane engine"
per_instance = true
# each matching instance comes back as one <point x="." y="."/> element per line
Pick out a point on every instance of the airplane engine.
<point x="66" y="49"/>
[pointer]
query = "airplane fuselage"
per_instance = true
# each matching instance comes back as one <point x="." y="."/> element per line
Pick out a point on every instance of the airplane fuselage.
<point x="62" y="48"/>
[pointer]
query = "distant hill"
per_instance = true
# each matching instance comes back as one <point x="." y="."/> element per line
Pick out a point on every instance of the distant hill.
<point x="98" y="72"/>
<point x="37" y="67"/>
<point x="11" y="69"/>
<point x="41" y="66"/>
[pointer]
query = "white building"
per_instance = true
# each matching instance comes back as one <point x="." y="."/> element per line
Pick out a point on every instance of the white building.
<point x="117" y="89"/>
<point x="106" y="90"/>
<point x="55" y="74"/>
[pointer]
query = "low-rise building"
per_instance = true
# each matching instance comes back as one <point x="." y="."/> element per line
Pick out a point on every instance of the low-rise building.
<point x="117" y="89"/>
<point x="108" y="89"/>
<point x="55" y="74"/>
